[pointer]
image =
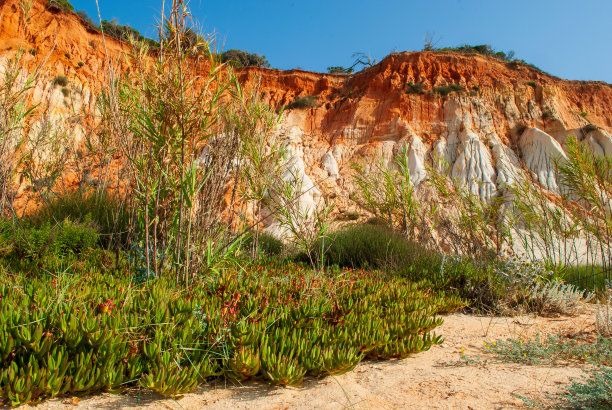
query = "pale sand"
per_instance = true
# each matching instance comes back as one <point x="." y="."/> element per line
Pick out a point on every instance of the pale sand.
<point x="426" y="380"/>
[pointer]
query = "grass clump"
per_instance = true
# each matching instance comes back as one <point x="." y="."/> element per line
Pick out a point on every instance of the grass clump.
<point x="552" y="350"/>
<point x="101" y="211"/>
<point x="307" y="101"/>
<point x="417" y="88"/>
<point x="48" y="240"/>
<point x="60" y="80"/>
<point x="61" y="4"/>
<point x="267" y="245"/>
<point x="447" y="89"/>
<point x="241" y="58"/>
<point x="376" y="247"/>
<point x="593" y="393"/>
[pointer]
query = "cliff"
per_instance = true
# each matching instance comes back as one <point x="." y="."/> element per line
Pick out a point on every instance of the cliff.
<point x="491" y="120"/>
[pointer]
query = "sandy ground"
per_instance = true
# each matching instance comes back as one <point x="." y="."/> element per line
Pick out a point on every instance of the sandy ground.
<point x="427" y="380"/>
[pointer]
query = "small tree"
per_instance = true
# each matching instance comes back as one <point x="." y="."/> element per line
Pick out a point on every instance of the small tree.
<point x="242" y="58"/>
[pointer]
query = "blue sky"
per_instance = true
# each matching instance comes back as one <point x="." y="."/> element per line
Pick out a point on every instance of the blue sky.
<point x="569" y="39"/>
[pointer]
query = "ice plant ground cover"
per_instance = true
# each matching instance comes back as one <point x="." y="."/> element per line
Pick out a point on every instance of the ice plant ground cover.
<point x="87" y="328"/>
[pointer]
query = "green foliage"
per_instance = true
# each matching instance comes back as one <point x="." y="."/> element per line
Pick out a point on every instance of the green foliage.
<point x="415" y="88"/>
<point x="110" y="219"/>
<point x="125" y="33"/>
<point x="482" y="49"/>
<point x="306" y="101"/>
<point x="552" y="350"/>
<point x="72" y="332"/>
<point x="593" y="393"/>
<point x="447" y="89"/>
<point x="270" y="245"/>
<point x="33" y="51"/>
<point x="240" y="58"/>
<point x="62" y="4"/>
<point x="60" y="80"/>
<point x="83" y="15"/>
<point x="50" y="239"/>
<point x="377" y="247"/>
<point x="340" y="70"/>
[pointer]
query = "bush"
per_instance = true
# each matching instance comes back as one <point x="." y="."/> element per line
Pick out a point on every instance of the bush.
<point x="553" y="349"/>
<point x="593" y="393"/>
<point x="415" y="88"/>
<point x="60" y="80"/>
<point x="240" y="58"/>
<point x="267" y="244"/>
<point x="100" y="211"/>
<point x="83" y="15"/>
<point x="482" y="49"/>
<point x="338" y="70"/>
<point x="307" y="101"/>
<point x="48" y="239"/>
<point x="447" y="89"/>
<point x="123" y="33"/>
<point x="61" y="4"/>
<point x="376" y="247"/>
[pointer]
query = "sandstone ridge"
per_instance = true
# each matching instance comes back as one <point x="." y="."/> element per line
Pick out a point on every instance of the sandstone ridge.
<point x="500" y="122"/>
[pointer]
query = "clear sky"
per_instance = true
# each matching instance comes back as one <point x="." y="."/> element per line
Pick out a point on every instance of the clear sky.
<point x="567" y="38"/>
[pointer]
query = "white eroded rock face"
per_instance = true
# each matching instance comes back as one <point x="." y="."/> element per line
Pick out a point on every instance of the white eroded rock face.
<point x="330" y="165"/>
<point x="473" y="166"/>
<point x="599" y="142"/>
<point x="540" y="150"/>
<point x="416" y="161"/>
<point x="308" y="195"/>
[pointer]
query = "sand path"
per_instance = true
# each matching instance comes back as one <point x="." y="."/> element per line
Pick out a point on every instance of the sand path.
<point x="427" y="380"/>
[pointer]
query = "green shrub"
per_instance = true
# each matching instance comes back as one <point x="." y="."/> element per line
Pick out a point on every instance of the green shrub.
<point x="415" y="88"/>
<point x="101" y="211"/>
<point x="307" y="101"/>
<point x="33" y="51"/>
<point x="553" y="349"/>
<point x="123" y="33"/>
<point x="61" y="4"/>
<point x="268" y="244"/>
<point x="60" y="80"/>
<point x="482" y="49"/>
<point x="83" y="15"/>
<point x="447" y="89"/>
<point x="376" y="247"/>
<point x="240" y="58"/>
<point x="53" y="239"/>
<point x="80" y="64"/>
<point x="338" y="70"/>
<point x="593" y="393"/>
